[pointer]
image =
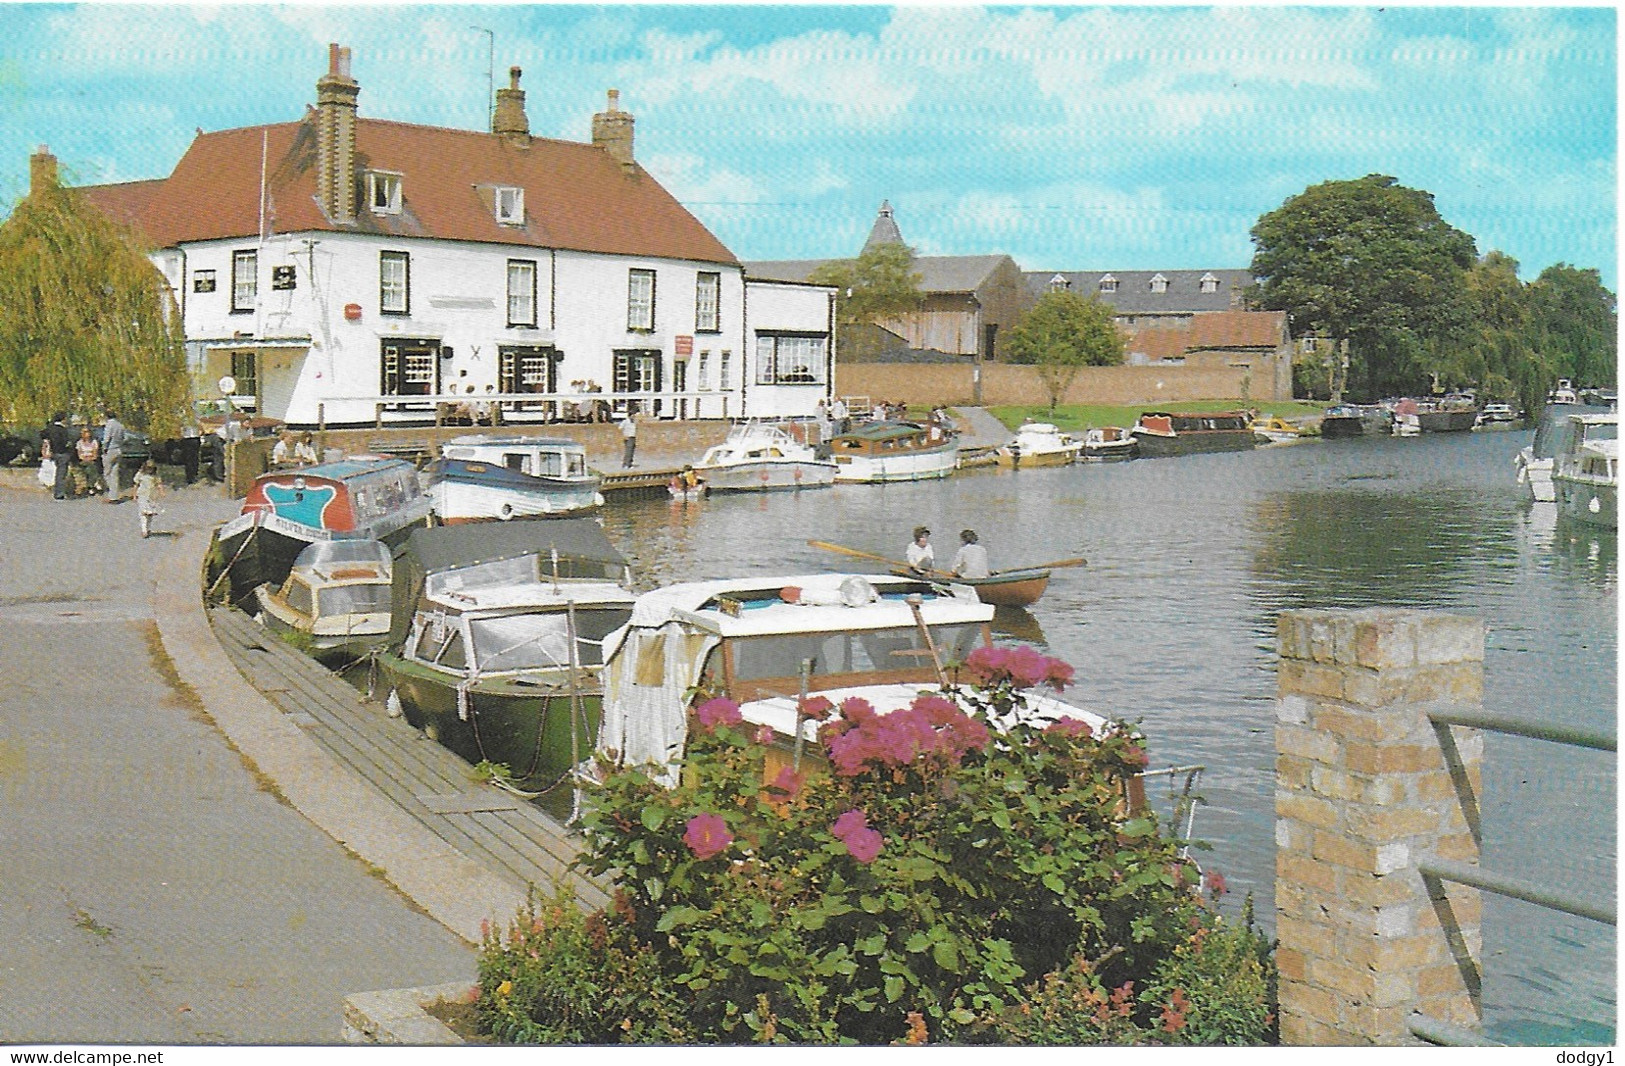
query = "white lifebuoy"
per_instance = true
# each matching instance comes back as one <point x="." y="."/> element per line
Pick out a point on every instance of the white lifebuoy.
<point x="506" y="512"/>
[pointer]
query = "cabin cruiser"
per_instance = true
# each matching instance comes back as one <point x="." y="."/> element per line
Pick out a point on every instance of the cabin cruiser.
<point x="482" y="478"/>
<point x="764" y="641"/>
<point x="497" y="640"/>
<point x="760" y="456"/>
<point x="1537" y="459"/>
<point x="336" y="597"/>
<point x="1038" y="444"/>
<point x="894" y="451"/>
<point x="1272" y="429"/>
<point x="1585" y="479"/>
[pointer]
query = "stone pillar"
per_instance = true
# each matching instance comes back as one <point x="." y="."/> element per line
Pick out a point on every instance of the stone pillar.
<point x="1363" y="790"/>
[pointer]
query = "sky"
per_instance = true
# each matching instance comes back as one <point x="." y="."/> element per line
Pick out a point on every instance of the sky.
<point x="1071" y="138"/>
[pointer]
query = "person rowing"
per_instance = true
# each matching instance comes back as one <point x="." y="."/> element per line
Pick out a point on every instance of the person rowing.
<point x="971" y="559"/>
<point x="920" y="556"/>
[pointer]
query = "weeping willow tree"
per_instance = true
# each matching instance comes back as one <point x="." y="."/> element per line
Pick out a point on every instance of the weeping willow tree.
<point x="86" y="320"/>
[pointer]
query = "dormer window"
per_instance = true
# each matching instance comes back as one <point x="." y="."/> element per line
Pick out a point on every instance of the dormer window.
<point x="1108" y="284"/>
<point x="510" y="205"/>
<point x="1210" y="283"/>
<point x="1159" y="283"/>
<point x="1059" y="283"/>
<point x="384" y="193"/>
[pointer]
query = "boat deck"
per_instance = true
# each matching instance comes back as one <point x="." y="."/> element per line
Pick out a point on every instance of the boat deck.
<point x="506" y="834"/>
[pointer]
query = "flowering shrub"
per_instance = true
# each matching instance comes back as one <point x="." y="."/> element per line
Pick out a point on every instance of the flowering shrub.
<point x="936" y="879"/>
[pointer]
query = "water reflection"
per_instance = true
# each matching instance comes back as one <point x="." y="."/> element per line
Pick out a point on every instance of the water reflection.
<point x="1018" y="622"/>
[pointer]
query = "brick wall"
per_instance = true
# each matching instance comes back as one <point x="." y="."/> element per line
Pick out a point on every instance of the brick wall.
<point x="1362" y="792"/>
<point x="1003" y="383"/>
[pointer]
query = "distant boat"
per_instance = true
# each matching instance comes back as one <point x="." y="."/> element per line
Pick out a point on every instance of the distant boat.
<point x="362" y="498"/>
<point x="483" y="478"/>
<point x="1038" y="444"/>
<point x="1496" y="415"/>
<point x="760" y="456"/>
<point x="1272" y="429"/>
<point x="1453" y="414"/>
<point x="1355" y="420"/>
<point x="1109" y="442"/>
<point x="1586" y="475"/>
<point x="894" y="451"/>
<point x="1163" y="434"/>
<point x="337" y="595"/>
<point x="1563" y="392"/>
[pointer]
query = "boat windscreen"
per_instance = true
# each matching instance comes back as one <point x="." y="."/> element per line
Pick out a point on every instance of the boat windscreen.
<point x="333" y="552"/>
<point x="861" y="652"/>
<point x="368" y="598"/>
<point x="541" y="641"/>
<point x="520" y="570"/>
<point x="1602" y="431"/>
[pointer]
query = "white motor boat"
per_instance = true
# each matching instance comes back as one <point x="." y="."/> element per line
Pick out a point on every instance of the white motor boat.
<point x="761" y="456"/>
<point x="894" y="451"/>
<point x="1038" y="444"/>
<point x="483" y="478"/>
<point x="1585" y="479"/>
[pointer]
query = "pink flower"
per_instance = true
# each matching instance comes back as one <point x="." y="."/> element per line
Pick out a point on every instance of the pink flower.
<point x="987" y="663"/>
<point x="1066" y="725"/>
<point x="764" y="734"/>
<point x="707" y="836"/>
<point x="788" y="782"/>
<point x="931" y="726"/>
<point x="853" y="821"/>
<point x="817" y="708"/>
<point x="852" y="829"/>
<point x="1027" y="667"/>
<point x="1215" y="883"/>
<point x="1134" y="755"/>
<point x="864" y="845"/>
<point x="718" y="712"/>
<point x="1057" y="674"/>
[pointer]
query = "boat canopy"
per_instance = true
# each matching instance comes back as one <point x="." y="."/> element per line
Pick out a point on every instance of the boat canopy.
<point x="329" y="554"/>
<point x="823" y="603"/>
<point x="876" y="431"/>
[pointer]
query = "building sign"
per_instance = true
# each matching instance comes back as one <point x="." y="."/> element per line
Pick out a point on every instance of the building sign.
<point x="685" y="346"/>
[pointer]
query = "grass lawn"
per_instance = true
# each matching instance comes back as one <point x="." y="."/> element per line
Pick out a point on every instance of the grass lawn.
<point x="1086" y="416"/>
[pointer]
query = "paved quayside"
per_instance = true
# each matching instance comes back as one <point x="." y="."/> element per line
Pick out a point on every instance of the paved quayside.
<point x="154" y="892"/>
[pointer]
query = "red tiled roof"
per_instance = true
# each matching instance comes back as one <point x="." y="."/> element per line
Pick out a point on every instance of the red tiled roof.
<point x="1238" y="329"/>
<point x="1158" y="343"/>
<point x="576" y="196"/>
<point x="123" y="203"/>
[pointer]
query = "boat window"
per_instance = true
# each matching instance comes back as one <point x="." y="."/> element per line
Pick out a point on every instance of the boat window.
<point x="867" y="651"/>
<point x="442" y="643"/>
<point x="299" y="597"/>
<point x="514" y="461"/>
<point x="541" y="641"/>
<point x="1602" y="431"/>
<point x="371" y="598"/>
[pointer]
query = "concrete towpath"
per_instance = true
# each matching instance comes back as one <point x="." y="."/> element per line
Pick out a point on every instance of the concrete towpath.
<point x="979" y="429"/>
<point x="157" y="888"/>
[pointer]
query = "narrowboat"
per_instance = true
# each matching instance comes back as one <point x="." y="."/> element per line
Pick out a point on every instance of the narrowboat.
<point x="360" y="498"/>
<point x="484" y="478"/>
<point x="1162" y="434"/>
<point x="1109" y="442"/>
<point x="496" y="641"/>
<point x="884" y="639"/>
<point x="894" y="451"/>
<point x="1038" y="444"/>
<point x="758" y="457"/>
<point x="336" y="598"/>
<point x="1585" y="478"/>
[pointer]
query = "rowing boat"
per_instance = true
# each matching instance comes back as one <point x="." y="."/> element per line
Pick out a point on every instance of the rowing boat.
<point x="1008" y="588"/>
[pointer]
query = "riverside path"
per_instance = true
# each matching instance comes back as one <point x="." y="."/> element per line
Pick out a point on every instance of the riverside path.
<point x="155" y="889"/>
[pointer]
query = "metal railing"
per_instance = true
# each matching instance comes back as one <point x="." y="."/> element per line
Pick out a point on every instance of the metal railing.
<point x="1436" y="871"/>
<point x="531" y="406"/>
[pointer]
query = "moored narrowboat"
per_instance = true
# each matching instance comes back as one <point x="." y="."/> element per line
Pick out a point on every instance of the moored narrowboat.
<point x="1161" y="433"/>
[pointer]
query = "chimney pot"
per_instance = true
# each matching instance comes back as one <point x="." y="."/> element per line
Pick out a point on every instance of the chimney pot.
<point x="614" y="99"/>
<point x="513" y="77"/>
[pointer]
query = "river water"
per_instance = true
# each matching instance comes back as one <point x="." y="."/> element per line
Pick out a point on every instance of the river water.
<point x="1173" y="623"/>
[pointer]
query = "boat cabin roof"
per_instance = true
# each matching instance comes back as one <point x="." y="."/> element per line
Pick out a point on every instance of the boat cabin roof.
<point x="760" y="606"/>
<point x="873" y="431"/>
<point x="511" y="442"/>
<point x="449" y="592"/>
<point x="577" y="540"/>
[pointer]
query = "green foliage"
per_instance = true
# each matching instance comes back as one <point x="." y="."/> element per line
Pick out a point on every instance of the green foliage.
<point x="1369" y="261"/>
<point x="900" y="899"/>
<point x="85" y="320"/>
<point x="1063" y="332"/>
<point x="879" y="284"/>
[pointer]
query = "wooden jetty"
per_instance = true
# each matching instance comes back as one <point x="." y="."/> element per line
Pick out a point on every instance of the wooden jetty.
<point x="508" y="835"/>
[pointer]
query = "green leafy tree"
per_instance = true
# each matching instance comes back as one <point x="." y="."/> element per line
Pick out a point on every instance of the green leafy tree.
<point x="1576" y="325"/>
<point x="1371" y="262"/>
<point x="1063" y="333"/>
<point x="85" y="319"/>
<point x="881" y="283"/>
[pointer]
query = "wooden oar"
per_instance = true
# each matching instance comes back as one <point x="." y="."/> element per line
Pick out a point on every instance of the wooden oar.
<point x="897" y="564"/>
<point x="1061" y="565"/>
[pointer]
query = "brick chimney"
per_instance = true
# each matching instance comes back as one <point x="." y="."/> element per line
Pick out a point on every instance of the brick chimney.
<point x="336" y="94"/>
<point x="42" y="175"/>
<point x="612" y="131"/>
<point x="508" y="121"/>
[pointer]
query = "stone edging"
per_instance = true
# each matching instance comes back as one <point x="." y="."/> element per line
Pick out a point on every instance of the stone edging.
<point x="453" y="889"/>
<point x="398" y="1016"/>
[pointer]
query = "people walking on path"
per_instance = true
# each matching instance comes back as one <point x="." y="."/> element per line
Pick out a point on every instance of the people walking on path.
<point x="920" y="555"/>
<point x="89" y="456"/>
<point x="59" y="438"/>
<point x="113" y="434"/>
<point x="629" y="438"/>
<point x="147" y="488"/>
<point x="971" y="560"/>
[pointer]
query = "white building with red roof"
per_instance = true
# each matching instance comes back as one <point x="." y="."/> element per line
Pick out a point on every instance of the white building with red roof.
<point x="339" y="266"/>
